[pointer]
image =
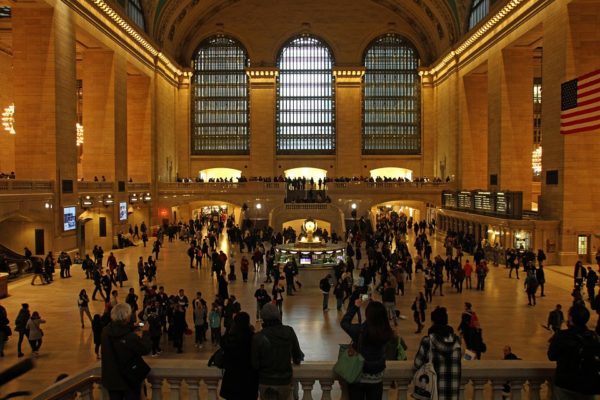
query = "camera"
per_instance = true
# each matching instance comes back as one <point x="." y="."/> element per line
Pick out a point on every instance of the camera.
<point x="140" y="324"/>
<point x="364" y="297"/>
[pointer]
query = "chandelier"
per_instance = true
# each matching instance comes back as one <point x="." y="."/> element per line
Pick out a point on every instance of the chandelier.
<point x="8" y="119"/>
<point x="79" y="139"/>
<point x="536" y="161"/>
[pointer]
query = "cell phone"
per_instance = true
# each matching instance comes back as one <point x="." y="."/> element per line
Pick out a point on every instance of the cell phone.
<point x="364" y="297"/>
<point x="140" y="324"/>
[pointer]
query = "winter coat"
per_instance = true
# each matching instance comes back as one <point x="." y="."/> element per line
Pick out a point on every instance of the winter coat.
<point x="446" y="352"/>
<point x="240" y="381"/>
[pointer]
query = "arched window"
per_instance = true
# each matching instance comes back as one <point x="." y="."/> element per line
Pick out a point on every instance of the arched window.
<point x="135" y="13"/>
<point x="479" y="10"/>
<point x="391" y="98"/>
<point x="305" y="98"/>
<point x="220" y="98"/>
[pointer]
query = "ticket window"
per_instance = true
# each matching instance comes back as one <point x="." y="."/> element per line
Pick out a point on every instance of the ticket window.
<point x="583" y="247"/>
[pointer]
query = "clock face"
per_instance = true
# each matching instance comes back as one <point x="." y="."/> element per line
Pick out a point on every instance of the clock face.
<point x="309" y="225"/>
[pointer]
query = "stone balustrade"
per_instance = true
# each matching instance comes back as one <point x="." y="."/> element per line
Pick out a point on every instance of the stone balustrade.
<point x="192" y="379"/>
<point x="138" y="186"/>
<point x="95" y="187"/>
<point x="19" y="185"/>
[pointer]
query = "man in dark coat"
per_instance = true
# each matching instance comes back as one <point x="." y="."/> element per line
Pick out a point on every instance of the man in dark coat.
<point x="121" y="344"/>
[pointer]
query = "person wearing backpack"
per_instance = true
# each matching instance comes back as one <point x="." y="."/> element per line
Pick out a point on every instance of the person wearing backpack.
<point x="441" y="347"/>
<point x="576" y="351"/>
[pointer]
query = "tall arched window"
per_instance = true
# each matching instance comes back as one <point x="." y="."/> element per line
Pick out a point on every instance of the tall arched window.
<point x="220" y="98"/>
<point x="135" y="12"/>
<point x="479" y="10"/>
<point x="392" y="98"/>
<point x="305" y="98"/>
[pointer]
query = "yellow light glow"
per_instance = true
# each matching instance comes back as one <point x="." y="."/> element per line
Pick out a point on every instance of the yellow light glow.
<point x="8" y="119"/>
<point x="220" y="173"/>
<point x="306" y="172"/>
<point x="391" y="172"/>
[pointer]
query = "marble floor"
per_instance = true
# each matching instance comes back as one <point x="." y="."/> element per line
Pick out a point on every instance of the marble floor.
<point x="502" y="308"/>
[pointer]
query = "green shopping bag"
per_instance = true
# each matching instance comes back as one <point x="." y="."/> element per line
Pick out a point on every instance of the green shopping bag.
<point x="349" y="364"/>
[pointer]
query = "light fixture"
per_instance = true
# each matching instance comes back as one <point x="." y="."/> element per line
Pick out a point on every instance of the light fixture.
<point x="133" y="198"/>
<point x="353" y="206"/>
<point x="87" y="201"/>
<point x="79" y="139"/>
<point x="108" y="200"/>
<point x="258" y="206"/>
<point x="8" y="119"/>
<point x="147" y="197"/>
<point x="47" y="205"/>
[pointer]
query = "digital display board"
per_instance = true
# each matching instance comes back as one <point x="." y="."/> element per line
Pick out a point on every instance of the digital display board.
<point x="70" y="218"/>
<point x="122" y="211"/>
<point x="495" y="204"/>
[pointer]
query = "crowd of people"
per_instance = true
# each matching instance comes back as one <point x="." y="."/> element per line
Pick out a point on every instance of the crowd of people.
<point x="302" y="183"/>
<point x="366" y="287"/>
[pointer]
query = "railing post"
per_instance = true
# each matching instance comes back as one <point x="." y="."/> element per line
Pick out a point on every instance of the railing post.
<point x="156" y="385"/>
<point x="497" y="388"/>
<point x="387" y="385"/>
<point x="87" y="393"/>
<point x="174" y="388"/>
<point x="307" y="386"/>
<point x="402" y="389"/>
<point x="478" y="385"/>
<point x="534" y="390"/>
<point x="461" y="390"/>
<point x="516" y="387"/>
<point x="326" y="385"/>
<point x="193" y="388"/>
<point x="212" y="385"/>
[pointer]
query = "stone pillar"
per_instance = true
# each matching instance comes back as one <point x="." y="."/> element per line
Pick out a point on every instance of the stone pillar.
<point x="139" y="112"/>
<point x="44" y="92"/>
<point x="427" y="128"/>
<point x="120" y="119"/>
<point x="348" y="103"/>
<point x="510" y="120"/>
<point x="474" y="132"/>
<point x="183" y="126"/>
<point x="263" y="95"/>
<point x="99" y="82"/>
<point x="571" y="48"/>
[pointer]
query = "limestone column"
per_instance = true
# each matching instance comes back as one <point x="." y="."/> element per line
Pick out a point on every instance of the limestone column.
<point x="44" y="92"/>
<point x="183" y="134"/>
<point x="427" y="127"/>
<point x="510" y="120"/>
<point x="263" y="95"/>
<point x="473" y="145"/>
<point x="348" y="104"/>
<point x="120" y="119"/>
<point x="571" y="48"/>
<point x="139" y="156"/>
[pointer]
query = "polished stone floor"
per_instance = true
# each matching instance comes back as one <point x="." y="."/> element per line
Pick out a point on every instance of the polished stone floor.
<point x="502" y="308"/>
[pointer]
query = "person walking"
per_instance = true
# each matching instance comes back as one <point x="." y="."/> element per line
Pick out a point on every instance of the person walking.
<point x="388" y="297"/>
<point x="540" y="275"/>
<point x="370" y="339"/>
<point x="274" y="349"/>
<point x="262" y="298"/>
<point x="555" y="319"/>
<point x="5" y="331"/>
<point x="531" y="285"/>
<point x="21" y="326"/>
<point x="35" y="332"/>
<point x="325" y="286"/>
<point x="83" y="304"/>
<point x="240" y="380"/>
<point x="444" y="347"/>
<point x="97" y="326"/>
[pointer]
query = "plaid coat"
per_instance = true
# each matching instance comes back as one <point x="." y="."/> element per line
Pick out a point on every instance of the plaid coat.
<point x="447" y="356"/>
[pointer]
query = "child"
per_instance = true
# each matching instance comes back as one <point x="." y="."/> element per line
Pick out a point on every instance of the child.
<point x="214" y="318"/>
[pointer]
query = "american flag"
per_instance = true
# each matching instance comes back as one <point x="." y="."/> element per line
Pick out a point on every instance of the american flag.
<point x="580" y="104"/>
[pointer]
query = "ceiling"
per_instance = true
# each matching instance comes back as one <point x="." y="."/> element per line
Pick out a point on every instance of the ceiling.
<point x="262" y="26"/>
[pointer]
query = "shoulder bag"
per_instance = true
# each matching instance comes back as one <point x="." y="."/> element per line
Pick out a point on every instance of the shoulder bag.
<point x="425" y="379"/>
<point x="349" y="364"/>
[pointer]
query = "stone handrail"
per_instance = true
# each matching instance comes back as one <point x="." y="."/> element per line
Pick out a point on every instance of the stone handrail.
<point x="19" y="185"/>
<point x="138" y="186"/>
<point x="93" y="186"/>
<point x="306" y="206"/>
<point x="176" y="378"/>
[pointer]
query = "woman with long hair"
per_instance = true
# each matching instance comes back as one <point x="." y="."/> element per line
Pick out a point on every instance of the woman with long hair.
<point x="83" y="303"/>
<point x="240" y="381"/>
<point x="369" y="339"/>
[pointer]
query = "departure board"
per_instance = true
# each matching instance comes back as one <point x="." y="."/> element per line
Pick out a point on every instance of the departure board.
<point x="495" y="204"/>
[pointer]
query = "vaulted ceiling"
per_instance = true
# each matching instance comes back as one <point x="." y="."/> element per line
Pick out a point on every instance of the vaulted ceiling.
<point x="262" y="26"/>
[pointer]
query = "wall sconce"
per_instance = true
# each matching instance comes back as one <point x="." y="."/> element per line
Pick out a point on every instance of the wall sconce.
<point x="258" y="206"/>
<point x="147" y="197"/>
<point x="87" y="201"/>
<point x="354" y="206"/>
<point x="133" y="198"/>
<point x="108" y="200"/>
<point x="48" y="205"/>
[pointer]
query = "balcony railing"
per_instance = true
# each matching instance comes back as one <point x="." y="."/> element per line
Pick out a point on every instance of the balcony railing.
<point x="192" y="379"/>
<point x="93" y="187"/>
<point x="18" y="185"/>
<point x="138" y="186"/>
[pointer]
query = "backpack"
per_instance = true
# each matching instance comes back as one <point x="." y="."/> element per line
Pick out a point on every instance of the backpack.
<point x="425" y="379"/>
<point x="589" y="362"/>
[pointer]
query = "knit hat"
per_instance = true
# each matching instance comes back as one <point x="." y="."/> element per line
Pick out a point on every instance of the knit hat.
<point x="270" y="312"/>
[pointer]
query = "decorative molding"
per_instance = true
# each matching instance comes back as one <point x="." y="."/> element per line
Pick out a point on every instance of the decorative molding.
<point x="348" y="76"/>
<point x="262" y="76"/>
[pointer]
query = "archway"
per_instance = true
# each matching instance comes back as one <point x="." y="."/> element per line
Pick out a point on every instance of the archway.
<point x="306" y="172"/>
<point x="296" y="224"/>
<point x="220" y="173"/>
<point x="392" y="172"/>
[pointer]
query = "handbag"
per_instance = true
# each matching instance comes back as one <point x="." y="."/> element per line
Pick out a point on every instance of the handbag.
<point x="425" y="379"/>
<point x="401" y="353"/>
<point x="349" y="364"/>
